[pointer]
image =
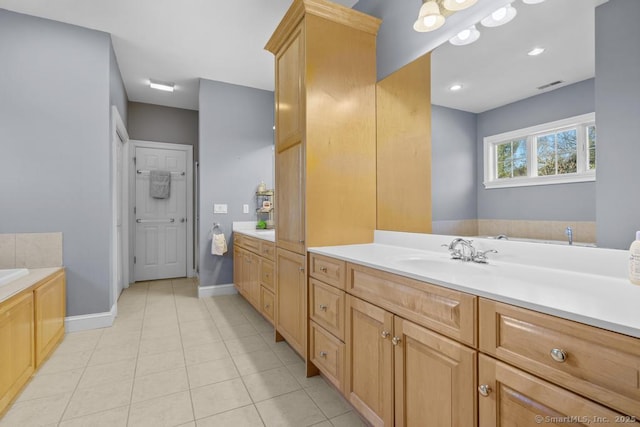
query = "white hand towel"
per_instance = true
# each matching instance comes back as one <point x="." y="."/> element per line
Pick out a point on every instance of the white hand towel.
<point x="218" y="244"/>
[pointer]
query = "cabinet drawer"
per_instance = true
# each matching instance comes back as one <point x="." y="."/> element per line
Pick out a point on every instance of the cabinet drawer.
<point x="266" y="275"/>
<point x="601" y="365"/>
<point x="449" y="312"/>
<point x="268" y="250"/>
<point x="326" y="307"/>
<point x="250" y="243"/>
<point x="329" y="270"/>
<point x="327" y="353"/>
<point x="267" y="303"/>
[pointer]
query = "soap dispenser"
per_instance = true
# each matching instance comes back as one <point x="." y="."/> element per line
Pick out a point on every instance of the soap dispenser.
<point x="634" y="260"/>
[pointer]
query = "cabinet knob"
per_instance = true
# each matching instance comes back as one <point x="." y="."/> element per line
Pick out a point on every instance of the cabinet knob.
<point x="301" y="268"/>
<point x="266" y="306"/>
<point x="395" y="340"/>
<point x="323" y="269"/>
<point x="484" y="390"/>
<point x="558" y="355"/>
<point x="385" y="334"/>
<point x="301" y="241"/>
<point x="323" y="354"/>
<point x="323" y="307"/>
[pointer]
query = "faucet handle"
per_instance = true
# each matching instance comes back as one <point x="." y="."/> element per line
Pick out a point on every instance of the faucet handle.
<point x="481" y="256"/>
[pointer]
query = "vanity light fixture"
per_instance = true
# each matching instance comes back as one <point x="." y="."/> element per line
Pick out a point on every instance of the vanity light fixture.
<point x="167" y="87"/>
<point x="535" y="51"/>
<point x="429" y="17"/>
<point x="465" y="37"/>
<point x="455" y="87"/>
<point x="455" y="5"/>
<point x="500" y="16"/>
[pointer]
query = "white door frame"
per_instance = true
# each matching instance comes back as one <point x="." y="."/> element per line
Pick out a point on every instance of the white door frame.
<point x="119" y="135"/>
<point x="188" y="149"/>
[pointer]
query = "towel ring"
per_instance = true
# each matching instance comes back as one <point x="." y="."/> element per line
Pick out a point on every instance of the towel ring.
<point x="215" y="229"/>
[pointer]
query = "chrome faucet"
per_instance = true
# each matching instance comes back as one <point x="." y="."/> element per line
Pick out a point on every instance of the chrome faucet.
<point x="463" y="249"/>
<point x="502" y="237"/>
<point x="465" y="253"/>
<point x="569" y="232"/>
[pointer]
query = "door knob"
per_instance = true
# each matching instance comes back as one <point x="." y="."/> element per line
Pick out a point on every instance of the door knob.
<point x="484" y="390"/>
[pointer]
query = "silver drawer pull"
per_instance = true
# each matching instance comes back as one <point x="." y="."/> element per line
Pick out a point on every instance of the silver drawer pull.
<point x="484" y="390"/>
<point x="144" y="221"/>
<point x="323" y="354"/>
<point x="558" y="355"/>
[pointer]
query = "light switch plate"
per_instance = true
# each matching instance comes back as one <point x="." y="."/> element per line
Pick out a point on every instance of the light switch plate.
<point x="219" y="208"/>
<point x="245" y="208"/>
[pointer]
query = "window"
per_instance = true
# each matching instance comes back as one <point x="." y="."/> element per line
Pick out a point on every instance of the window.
<point x="558" y="152"/>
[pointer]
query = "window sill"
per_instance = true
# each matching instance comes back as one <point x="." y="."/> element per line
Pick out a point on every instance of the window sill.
<point x="540" y="180"/>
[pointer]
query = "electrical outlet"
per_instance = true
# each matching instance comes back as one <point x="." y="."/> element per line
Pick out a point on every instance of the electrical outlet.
<point x="219" y="208"/>
<point x="245" y="208"/>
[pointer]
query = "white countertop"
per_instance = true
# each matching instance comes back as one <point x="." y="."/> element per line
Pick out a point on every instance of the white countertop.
<point x="16" y="286"/>
<point x="249" y="228"/>
<point x="606" y="301"/>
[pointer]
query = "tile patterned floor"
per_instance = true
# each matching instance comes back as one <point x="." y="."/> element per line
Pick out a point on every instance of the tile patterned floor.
<point x="172" y="359"/>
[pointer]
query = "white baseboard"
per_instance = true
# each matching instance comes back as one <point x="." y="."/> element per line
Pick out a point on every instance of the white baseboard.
<point x="215" y="290"/>
<point x="90" y="321"/>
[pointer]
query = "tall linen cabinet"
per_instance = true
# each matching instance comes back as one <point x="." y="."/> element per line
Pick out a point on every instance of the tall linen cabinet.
<point x="325" y="115"/>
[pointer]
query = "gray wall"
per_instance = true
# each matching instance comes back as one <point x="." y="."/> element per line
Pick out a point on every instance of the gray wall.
<point x="559" y="202"/>
<point x="453" y="165"/>
<point x="54" y="135"/>
<point x="149" y="122"/>
<point x="617" y="93"/>
<point x="236" y="153"/>
<point x="117" y="91"/>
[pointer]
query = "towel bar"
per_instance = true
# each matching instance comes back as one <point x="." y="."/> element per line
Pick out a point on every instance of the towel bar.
<point x="140" y="172"/>
<point x="140" y="221"/>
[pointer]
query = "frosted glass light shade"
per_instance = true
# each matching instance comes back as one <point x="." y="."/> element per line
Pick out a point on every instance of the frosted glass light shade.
<point x="429" y="18"/>
<point x="532" y="1"/>
<point x="455" y="5"/>
<point x="465" y="37"/>
<point x="500" y="16"/>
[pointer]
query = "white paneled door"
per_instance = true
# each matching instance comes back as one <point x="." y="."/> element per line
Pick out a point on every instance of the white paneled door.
<point x="161" y="224"/>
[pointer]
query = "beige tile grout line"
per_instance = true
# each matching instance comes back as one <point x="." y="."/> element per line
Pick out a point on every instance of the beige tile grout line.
<point x="84" y="369"/>
<point x="133" y="382"/>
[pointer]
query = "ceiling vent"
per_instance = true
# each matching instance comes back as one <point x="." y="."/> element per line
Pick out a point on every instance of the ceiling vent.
<point x="557" y="82"/>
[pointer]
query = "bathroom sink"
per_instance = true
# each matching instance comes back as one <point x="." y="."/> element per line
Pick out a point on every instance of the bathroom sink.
<point x="441" y="264"/>
<point x="10" y="275"/>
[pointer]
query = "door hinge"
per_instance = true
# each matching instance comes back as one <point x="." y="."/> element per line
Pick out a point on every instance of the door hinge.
<point x="134" y="209"/>
<point x="135" y="159"/>
<point x="134" y="260"/>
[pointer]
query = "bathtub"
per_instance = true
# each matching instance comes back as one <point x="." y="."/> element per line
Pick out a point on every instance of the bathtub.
<point x="10" y="275"/>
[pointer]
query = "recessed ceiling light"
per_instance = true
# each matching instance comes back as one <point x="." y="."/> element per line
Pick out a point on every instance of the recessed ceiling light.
<point x="167" y="87"/>
<point x="535" y="51"/>
<point x="455" y="87"/>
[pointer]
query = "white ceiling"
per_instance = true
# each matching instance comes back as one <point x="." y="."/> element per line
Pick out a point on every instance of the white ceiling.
<point x="177" y="41"/>
<point x="496" y="70"/>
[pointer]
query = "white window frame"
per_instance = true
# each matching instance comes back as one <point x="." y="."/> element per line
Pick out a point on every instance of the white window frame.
<point x="583" y="173"/>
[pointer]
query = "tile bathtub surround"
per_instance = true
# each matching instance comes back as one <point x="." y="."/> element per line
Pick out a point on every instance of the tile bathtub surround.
<point x="172" y="359"/>
<point x="30" y="250"/>
<point x="583" y="231"/>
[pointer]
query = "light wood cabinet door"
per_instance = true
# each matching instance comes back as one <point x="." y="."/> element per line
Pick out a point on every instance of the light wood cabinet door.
<point x="252" y="279"/>
<point x="238" y="264"/>
<point x="515" y="398"/>
<point x="289" y="66"/>
<point x="50" y="310"/>
<point x="369" y="367"/>
<point x="435" y="379"/>
<point x="291" y="299"/>
<point x="267" y="303"/>
<point x="17" y="355"/>
<point x="290" y="219"/>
